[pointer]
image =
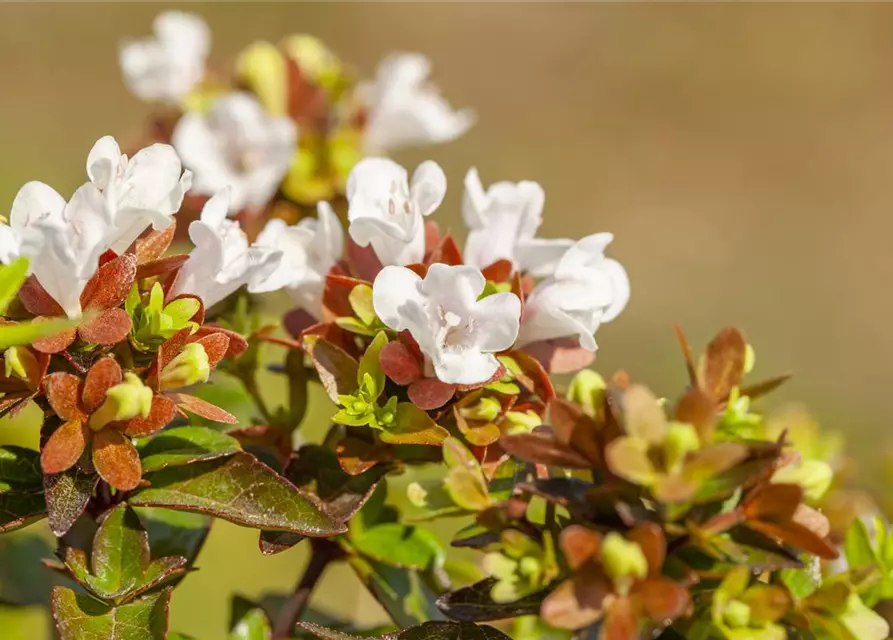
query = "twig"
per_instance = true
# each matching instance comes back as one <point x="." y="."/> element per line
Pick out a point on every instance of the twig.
<point x="323" y="553"/>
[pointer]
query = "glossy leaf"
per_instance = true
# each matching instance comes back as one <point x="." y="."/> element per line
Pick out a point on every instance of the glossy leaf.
<point x="401" y="592"/>
<point x="67" y="494"/>
<point x="400" y="363"/>
<point x="203" y="408"/>
<point x="475" y="604"/>
<point x="336" y="368"/>
<point x="120" y="553"/>
<point x="182" y="445"/>
<point x="436" y="630"/>
<point x="249" y="622"/>
<point x="413" y="426"/>
<point x="399" y="545"/>
<point x="239" y="489"/>
<point x="174" y="533"/>
<point x="21" y="489"/>
<point x="80" y="617"/>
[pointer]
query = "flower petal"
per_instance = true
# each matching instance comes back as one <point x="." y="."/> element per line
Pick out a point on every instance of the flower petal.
<point x="428" y="187"/>
<point x="497" y="319"/>
<point x="540" y="256"/>
<point x="35" y="202"/>
<point x="454" y="288"/>
<point x="395" y="288"/>
<point x="465" y="367"/>
<point x="103" y="162"/>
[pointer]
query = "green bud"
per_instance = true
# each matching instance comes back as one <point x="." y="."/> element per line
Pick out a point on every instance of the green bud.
<point x="261" y="67"/>
<point x="315" y="60"/>
<point x="750" y="359"/>
<point x="359" y="406"/>
<point x="485" y="409"/>
<point x="680" y="440"/>
<point x="124" y="401"/>
<point x="18" y="361"/>
<point x="530" y="568"/>
<point x="814" y="476"/>
<point x="499" y="565"/>
<point x="417" y="495"/>
<point x="587" y="389"/>
<point x="736" y="614"/>
<point x="189" y="367"/>
<point x="623" y="561"/>
<point x="522" y="421"/>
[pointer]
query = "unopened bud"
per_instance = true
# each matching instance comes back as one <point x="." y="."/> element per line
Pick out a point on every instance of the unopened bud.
<point x="189" y="367"/>
<point x="622" y="560"/>
<point x="19" y="362"/>
<point x="314" y="59"/>
<point x="681" y="439"/>
<point x="124" y="401"/>
<point x="522" y="421"/>
<point x="814" y="476"/>
<point x="262" y="67"/>
<point x="417" y="495"/>
<point x="737" y="614"/>
<point x="587" y="389"/>
<point x="485" y="409"/>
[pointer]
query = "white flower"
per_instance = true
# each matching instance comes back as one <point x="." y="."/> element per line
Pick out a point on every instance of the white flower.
<point x="63" y="241"/>
<point x="503" y="222"/>
<point x="236" y="144"/>
<point x="455" y="330"/>
<point x="586" y="290"/>
<point x="309" y="250"/>
<point x="166" y="67"/>
<point x="222" y="261"/>
<point x="143" y="190"/>
<point x="387" y="212"/>
<point x="404" y="109"/>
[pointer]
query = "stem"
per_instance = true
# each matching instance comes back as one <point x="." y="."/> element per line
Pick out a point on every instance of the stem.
<point x="250" y="382"/>
<point x="323" y="553"/>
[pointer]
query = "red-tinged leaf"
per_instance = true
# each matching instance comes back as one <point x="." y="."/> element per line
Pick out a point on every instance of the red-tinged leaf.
<point x="356" y="455"/>
<point x="413" y="426"/>
<point x="161" y="266"/>
<point x="687" y="355"/>
<point x="536" y="380"/>
<point x="168" y="351"/>
<point x="336" y="368"/>
<point x="63" y="391"/>
<point x="763" y="387"/>
<point x="447" y="252"/>
<point x="564" y="608"/>
<point x="67" y="495"/>
<point x="663" y="599"/>
<point x="215" y="345"/>
<point x="273" y="439"/>
<point x="362" y="261"/>
<point x="773" y="502"/>
<point x="799" y="536"/>
<point x="64" y="447"/>
<point x="478" y="434"/>
<point x="499" y="271"/>
<point x="101" y="377"/>
<point x="723" y="364"/>
<point x="116" y="459"/>
<point x="432" y="236"/>
<point x="539" y="448"/>
<point x="37" y="301"/>
<point x="152" y="245"/>
<point x="813" y="519"/>
<point x="108" y="328"/>
<point x="699" y="410"/>
<point x="160" y="415"/>
<point x="335" y="295"/>
<point x="562" y="355"/>
<point x="579" y="545"/>
<point x="421" y="270"/>
<point x="107" y="256"/>
<point x="518" y="289"/>
<point x="203" y="408"/>
<point x="574" y="428"/>
<point x="237" y="343"/>
<point x="430" y="393"/>
<point x="55" y="343"/>
<point x="296" y="321"/>
<point x="650" y="538"/>
<point x="621" y="621"/>
<point x="399" y="363"/>
<point x="111" y="283"/>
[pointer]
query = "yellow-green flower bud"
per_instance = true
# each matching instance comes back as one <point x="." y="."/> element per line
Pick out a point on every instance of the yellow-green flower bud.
<point x="417" y="495"/>
<point x="18" y="362"/>
<point x="189" y="367"/>
<point x="261" y="66"/>
<point x="814" y="476"/>
<point x="750" y="359"/>
<point x="680" y="440"/>
<point x="522" y="421"/>
<point x="737" y="614"/>
<point x="315" y="60"/>
<point x="587" y="389"/>
<point x="124" y="401"/>
<point x="623" y="561"/>
<point x="485" y="409"/>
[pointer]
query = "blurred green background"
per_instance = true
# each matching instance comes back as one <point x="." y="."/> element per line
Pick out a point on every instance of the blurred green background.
<point x="741" y="154"/>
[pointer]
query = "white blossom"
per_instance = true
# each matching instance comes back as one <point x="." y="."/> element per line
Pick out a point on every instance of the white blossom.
<point x="309" y="249"/>
<point x="585" y="290"/>
<point x="145" y="190"/>
<point x="222" y="261"/>
<point x="386" y="211"/>
<point x="166" y="67"/>
<point x="457" y="332"/>
<point x="503" y="221"/>
<point x="236" y="144"/>
<point x="404" y="109"/>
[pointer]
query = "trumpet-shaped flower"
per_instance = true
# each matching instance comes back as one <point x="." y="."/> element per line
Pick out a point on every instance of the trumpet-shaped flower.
<point x="139" y="191"/>
<point x="236" y="144"/>
<point x="404" y="109"/>
<point x="503" y="222"/>
<point x="309" y="249"/>
<point x="166" y="67"/>
<point x="585" y="290"/>
<point x="387" y="211"/>
<point x="222" y="261"/>
<point x="457" y="332"/>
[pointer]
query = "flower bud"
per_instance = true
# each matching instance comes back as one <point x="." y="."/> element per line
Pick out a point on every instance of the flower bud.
<point x="681" y="439"/>
<point x="417" y="495"/>
<point x="737" y="614"/>
<point x="124" y="401"/>
<point x="485" y="409"/>
<point x="315" y="60"/>
<point x="19" y="362"/>
<point x="814" y="476"/>
<point x="587" y="389"/>
<point x="522" y="421"/>
<point x="622" y="560"/>
<point x="262" y="68"/>
<point x="189" y="367"/>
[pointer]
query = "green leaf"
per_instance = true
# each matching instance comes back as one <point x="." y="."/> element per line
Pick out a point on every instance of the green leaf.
<point x="475" y="604"/>
<point x="400" y="545"/>
<point x="182" y="445"/>
<point x="370" y="366"/>
<point x="174" y="533"/>
<point x="80" y="617"/>
<point x="12" y="277"/>
<point x="427" y="631"/>
<point x="360" y="299"/>
<point x="239" y="489"/>
<point x="21" y="488"/>
<point x="414" y="426"/>
<point x="354" y="326"/>
<point x="401" y="592"/>
<point x="22" y="333"/>
<point x="120" y="553"/>
<point x="297" y="387"/>
<point x="249" y="622"/>
<point x="857" y="546"/>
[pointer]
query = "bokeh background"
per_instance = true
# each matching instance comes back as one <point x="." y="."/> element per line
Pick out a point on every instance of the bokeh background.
<point x="741" y="154"/>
